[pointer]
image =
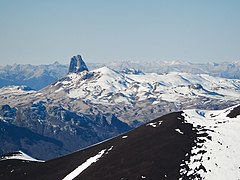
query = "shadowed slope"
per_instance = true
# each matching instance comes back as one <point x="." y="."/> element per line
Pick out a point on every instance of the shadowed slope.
<point x="149" y="151"/>
<point x="180" y="145"/>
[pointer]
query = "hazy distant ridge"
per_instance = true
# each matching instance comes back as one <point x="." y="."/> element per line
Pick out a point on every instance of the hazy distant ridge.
<point x="39" y="76"/>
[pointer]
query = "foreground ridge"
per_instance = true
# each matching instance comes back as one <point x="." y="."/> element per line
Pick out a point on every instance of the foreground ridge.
<point x="182" y="145"/>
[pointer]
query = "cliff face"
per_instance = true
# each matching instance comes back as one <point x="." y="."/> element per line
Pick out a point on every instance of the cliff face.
<point x="77" y="65"/>
<point x="39" y="128"/>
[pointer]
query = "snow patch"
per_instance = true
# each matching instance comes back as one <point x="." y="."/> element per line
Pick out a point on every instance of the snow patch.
<point x="19" y="156"/>
<point x="179" y="131"/>
<point x="86" y="164"/>
<point x="154" y="124"/>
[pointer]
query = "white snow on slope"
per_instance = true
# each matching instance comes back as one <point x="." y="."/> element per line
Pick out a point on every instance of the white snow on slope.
<point x="154" y="124"/>
<point x="105" y="85"/>
<point x="86" y="164"/>
<point x="219" y="154"/>
<point x="179" y="131"/>
<point x="20" y="156"/>
<point x="16" y="90"/>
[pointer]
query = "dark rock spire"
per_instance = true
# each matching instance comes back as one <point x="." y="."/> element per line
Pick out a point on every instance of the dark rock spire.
<point x="77" y="65"/>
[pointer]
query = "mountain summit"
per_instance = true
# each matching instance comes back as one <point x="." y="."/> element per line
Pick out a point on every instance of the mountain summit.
<point x="77" y="65"/>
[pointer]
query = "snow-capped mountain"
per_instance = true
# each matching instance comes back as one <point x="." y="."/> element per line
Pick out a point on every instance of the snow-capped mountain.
<point x="190" y="144"/>
<point x="107" y="90"/>
<point x="105" y="85"/>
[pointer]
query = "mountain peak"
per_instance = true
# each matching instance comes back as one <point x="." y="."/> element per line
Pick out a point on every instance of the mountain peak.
<point x="77" y="65"/>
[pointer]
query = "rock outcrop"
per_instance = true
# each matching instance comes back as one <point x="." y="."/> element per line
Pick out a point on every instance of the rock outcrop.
<point x="77" y="65"/>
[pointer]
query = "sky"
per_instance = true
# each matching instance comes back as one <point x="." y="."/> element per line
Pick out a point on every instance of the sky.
<point x="45" y="31"/>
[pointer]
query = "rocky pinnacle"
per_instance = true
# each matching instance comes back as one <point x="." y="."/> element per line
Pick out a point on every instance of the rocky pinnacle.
<point x="77" y="65"/>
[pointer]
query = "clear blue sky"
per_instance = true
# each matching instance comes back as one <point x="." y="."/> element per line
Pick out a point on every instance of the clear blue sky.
<point x="43" y="31"/>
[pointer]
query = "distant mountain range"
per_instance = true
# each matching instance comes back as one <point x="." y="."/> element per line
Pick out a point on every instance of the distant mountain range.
<point x="85" y="107"/>
<point x="190" y="144"/>
<point x="34" y="76"/>
<point x="39" y="76"/>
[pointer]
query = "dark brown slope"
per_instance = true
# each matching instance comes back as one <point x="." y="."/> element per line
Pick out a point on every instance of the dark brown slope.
<point x="155" y="153"/>
<point x="234" y="113"/>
